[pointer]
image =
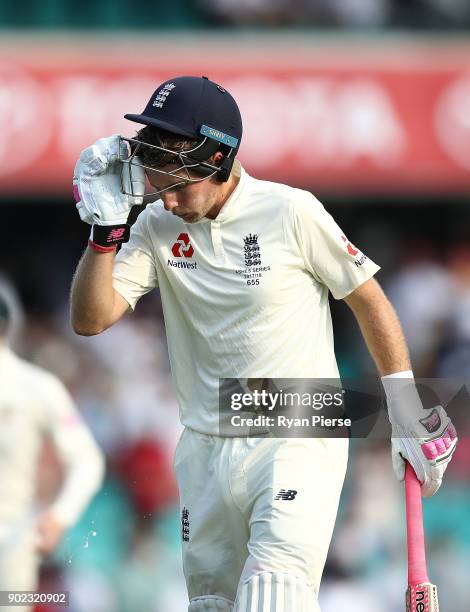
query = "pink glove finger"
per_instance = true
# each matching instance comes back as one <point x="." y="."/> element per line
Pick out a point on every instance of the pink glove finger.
<point x="429" y="450"/>
<point x="447" y="442"/>
<point x="440" y="446"/>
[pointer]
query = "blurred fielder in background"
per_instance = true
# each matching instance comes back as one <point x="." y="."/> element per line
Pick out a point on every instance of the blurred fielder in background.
<point x="35" y="404"/>
<point x="244" y="269"/>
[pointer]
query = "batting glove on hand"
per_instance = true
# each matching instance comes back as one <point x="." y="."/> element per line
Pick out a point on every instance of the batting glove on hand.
<point x="97" y="183"/>
<point x="426" y="438"/>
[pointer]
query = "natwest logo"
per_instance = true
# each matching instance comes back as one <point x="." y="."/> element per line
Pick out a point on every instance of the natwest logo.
<point x="351" y="250"/>
<point x="182" y="247"/>
<point x="360" y="258"/>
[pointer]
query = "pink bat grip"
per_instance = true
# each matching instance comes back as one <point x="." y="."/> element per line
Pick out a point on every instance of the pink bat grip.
<point x="417" y="571"/>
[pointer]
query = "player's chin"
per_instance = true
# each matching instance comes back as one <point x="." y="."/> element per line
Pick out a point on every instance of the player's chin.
<point x="191" y="218"/>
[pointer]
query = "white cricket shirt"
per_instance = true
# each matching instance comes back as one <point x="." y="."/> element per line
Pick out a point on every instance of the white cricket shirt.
<point x="33" y="404"/>
<point x="244" y="295"/>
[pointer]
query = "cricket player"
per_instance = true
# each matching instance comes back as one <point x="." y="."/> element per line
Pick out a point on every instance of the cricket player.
<point x="35" y="404"/>
<point x="244" y="269"/>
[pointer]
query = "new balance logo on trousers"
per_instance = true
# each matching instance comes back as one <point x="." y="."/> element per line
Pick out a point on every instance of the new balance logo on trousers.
<point x="286" y="495"/>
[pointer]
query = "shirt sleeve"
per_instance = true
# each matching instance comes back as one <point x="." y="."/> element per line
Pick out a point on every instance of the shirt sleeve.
<point x="77" y="451"/>
<point x="328" y="254"/>
<point x="135" y="271"/>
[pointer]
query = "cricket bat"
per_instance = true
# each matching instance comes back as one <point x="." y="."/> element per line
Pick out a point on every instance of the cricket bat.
<point x="421" y="595"/>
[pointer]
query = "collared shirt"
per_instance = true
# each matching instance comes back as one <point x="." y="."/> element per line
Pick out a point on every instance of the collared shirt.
<point x="244" y="295"/>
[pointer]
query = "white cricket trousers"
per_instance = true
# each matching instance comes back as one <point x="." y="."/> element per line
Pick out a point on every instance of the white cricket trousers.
<point x="251" y="506"/>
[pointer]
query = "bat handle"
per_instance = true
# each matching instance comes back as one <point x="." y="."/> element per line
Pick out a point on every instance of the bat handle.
<point x="417" y="570"/>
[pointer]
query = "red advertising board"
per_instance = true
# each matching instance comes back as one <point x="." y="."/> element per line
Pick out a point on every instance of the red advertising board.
<point x="337" y="116"/>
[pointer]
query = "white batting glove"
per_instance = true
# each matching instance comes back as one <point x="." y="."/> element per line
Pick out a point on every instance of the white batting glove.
<point x="426" y="438"/>
<point x="97" y="183"/>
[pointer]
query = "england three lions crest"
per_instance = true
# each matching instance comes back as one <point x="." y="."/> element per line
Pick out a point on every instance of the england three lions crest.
<point x="253" y="270"/>
<point x="252" y="251"/>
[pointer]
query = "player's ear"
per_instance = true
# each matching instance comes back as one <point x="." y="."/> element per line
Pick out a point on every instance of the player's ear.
<point x="216" y="158"/>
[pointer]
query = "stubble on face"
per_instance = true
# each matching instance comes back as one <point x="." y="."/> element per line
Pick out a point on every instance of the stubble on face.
<point x="190" y="201"/>
<point x="196" y="200"/>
